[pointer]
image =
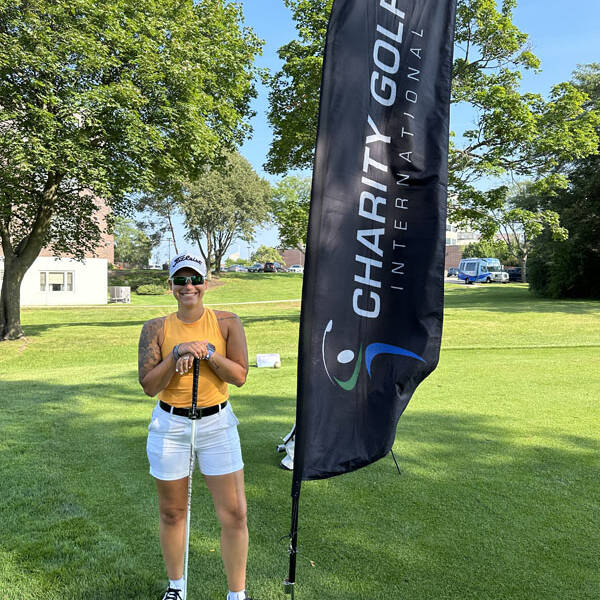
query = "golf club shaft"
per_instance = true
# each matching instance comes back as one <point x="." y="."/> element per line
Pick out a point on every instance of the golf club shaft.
<point x="189" y="504"/>
<point x="191" y="472"/>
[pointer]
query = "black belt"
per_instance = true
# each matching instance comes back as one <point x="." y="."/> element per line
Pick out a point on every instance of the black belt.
<point x="187" y="412"/>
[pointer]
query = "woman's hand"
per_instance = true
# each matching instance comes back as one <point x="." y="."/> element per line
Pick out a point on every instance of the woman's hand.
<point x="196" y="349"/>
<point x="184" y="363"/>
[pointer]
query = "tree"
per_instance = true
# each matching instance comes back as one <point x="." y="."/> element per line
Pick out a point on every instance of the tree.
<point x="489" y="249"/>
<point x="110" y="98"/>
<point x="294" y="96"/>
<point x="290" y="206"/>
<point x="223" y="205"/>
<point x="516" y="135"/>
<point x="237" y="261"/>
<point x="570" y="268"/>
<point x="158" y="209"/>
<point x="132" y="245"/>
<point x="265" y="254"/>
<point x="515" y="215"/>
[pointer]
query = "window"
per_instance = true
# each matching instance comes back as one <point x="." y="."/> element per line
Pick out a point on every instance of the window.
<point x="471" y="267"/>
<point x="56" y="281"/>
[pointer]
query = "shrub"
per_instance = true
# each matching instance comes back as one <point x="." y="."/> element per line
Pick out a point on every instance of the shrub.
<point x="135" y="278"/>
<point x="150" y="289"/>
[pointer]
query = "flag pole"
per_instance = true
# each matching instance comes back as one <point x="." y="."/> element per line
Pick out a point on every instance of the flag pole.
<point x="290" y="581"/>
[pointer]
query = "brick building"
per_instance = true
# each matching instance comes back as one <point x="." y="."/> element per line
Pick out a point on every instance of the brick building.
<point x="292" y="256"/>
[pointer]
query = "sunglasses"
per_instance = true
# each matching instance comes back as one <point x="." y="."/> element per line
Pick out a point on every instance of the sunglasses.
<point x="194" y="280"/>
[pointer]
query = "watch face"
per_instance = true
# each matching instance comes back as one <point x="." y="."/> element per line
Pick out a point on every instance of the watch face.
<point x="210" y="347"/>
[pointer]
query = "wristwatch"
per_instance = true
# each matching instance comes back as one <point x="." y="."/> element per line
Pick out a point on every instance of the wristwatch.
<point x="211" y="351"/>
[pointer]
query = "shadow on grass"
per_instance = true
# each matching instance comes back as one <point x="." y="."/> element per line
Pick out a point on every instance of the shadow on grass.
<point x="477" y="513"/>
<point x="33" y="330"/>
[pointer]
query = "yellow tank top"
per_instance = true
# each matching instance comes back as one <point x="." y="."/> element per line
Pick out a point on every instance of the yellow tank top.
<point x="211" y="388"/>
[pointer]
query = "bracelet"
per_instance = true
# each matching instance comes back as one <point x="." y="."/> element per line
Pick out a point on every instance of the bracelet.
<point x="176" y="355"/>
<point x="211" y="350"/>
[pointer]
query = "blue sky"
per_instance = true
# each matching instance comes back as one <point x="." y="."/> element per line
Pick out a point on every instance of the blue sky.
<point x="561" y="34"/>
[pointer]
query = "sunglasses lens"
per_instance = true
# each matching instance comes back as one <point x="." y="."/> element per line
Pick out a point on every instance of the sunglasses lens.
<point x="195" y="280"/>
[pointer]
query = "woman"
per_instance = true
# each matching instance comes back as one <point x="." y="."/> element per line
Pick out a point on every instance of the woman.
<point x="167" y="348"/>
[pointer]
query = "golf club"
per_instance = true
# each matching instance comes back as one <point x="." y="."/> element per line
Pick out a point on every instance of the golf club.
<point x="191" y="471"/>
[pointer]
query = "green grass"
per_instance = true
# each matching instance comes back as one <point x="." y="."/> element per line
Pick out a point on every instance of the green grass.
<point x="235" y="287"/>
<point x="499" y="451"/>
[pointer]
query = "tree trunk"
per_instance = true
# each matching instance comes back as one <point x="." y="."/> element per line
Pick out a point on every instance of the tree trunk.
<point x="217" y="249"/>
<point x="18" y="257"/>
<point x="172" y="232"/>
<point x="205" y="255"/>
<point x="524" y="269"/>
<point x="10" y="302"/>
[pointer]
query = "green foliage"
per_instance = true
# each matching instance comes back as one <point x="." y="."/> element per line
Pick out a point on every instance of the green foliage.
<point x="490" y="249"/>
<point x="265" y="254"/>
<point x="290" y="206"/>
<point x="238" y="261"/>
<point x="294" y="96"/>
<point x="519" y="219"/>
<point x="114" y="98"/>
<point x="132" y="245"/>
<point x="516" y="134"/>
<point x="136" y="278"/>
<point x="150" y="289"/>
<point x="224" y="204"/>
<point x="104" y="99"/>
<point x="570" y="268"/>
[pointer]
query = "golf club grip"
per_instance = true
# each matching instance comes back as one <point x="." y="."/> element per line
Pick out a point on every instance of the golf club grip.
<point x="195" y="384"/>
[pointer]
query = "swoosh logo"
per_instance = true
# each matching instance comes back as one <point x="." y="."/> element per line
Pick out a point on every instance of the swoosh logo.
<point x="374" y="350"/>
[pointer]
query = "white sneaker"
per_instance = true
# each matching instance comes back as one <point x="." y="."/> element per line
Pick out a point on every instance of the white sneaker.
<point x="173" y="594"/>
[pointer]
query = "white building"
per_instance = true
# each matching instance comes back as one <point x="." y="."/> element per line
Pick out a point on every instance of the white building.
<point x="54" y="281"/>
<point x="62" y="281"/>
<point x="458" y="237"/>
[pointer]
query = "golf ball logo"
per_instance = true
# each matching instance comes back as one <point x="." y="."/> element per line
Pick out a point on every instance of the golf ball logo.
<point x="371" y="351"/>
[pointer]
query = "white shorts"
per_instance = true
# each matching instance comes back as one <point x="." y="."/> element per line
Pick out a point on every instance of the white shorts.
<point x="217" y="444"/>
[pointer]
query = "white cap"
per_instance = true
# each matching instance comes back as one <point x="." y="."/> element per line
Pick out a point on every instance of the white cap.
<point x="183" y="261"/>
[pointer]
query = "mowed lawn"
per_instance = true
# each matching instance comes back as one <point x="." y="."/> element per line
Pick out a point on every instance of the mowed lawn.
<point x="499" y="449"/>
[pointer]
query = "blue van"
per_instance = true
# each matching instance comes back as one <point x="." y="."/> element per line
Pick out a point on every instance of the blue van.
<point x="474" y="270"/>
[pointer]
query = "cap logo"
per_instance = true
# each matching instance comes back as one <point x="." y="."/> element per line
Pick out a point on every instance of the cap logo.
<point x="177" y="260"/>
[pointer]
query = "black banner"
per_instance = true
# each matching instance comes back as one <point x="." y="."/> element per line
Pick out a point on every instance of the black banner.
<point x="372" y="301"/>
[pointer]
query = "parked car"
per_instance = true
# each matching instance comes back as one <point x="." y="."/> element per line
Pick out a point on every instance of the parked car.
<point x="296" y="269"/>
<point x="279" y="267"/>
<point x="515" y="274"/>
<point x="452" y="271"/>
<point x="256" y="268"/>
<point x="269" y="267"/>
<point x="237" y="269"/>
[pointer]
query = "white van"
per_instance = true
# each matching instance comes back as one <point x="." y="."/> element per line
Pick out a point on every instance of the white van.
<point x="474" y="270"/>
<point x="495" y="269"/>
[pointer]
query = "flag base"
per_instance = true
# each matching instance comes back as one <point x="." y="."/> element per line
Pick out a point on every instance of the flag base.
<point x="288" y="588"/>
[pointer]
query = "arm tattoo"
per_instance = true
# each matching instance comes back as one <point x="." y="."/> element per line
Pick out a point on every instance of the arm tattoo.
<point x="149" y="354"/>
<point x="227" y="317"/>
